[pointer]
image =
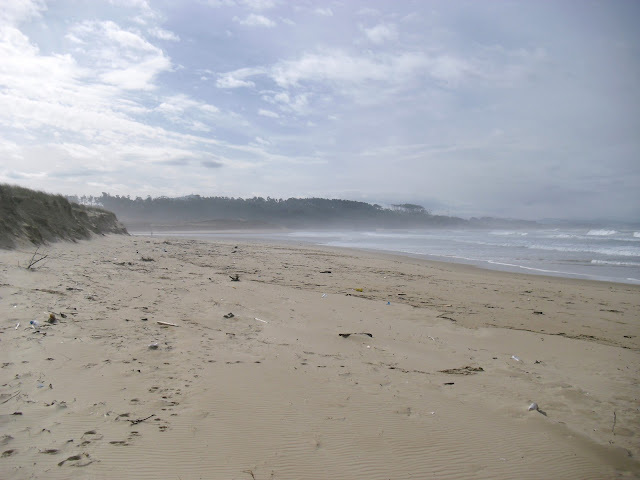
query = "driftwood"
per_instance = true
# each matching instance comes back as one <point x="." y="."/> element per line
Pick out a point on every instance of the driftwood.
<point x="33" y="260"/>
<point x="167" y="324"/>
<point x="18" y="393"/>
<point x="140" y="420"/>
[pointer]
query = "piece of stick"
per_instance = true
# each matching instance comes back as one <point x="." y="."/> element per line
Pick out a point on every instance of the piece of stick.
<point x="167" y="324"/>
<point x="33" y="260"/>
<point x="14" y="395"/>
<point x="140" y="420"/>
<point x="614" y="423"/>
<point x="263" y="321"/>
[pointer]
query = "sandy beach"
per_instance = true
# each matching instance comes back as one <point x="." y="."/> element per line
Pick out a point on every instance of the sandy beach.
<point x="317" y="363"/>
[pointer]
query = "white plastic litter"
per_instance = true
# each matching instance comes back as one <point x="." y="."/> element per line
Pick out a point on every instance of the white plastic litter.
<point x="533" y="406"/>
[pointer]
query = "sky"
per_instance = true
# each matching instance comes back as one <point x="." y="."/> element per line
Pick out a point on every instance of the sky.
<point x="522" y="109"/>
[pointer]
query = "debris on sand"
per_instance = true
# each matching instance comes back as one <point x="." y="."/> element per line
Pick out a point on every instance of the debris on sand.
<point x="347" y="335"/>
<point x="468" y="370"/>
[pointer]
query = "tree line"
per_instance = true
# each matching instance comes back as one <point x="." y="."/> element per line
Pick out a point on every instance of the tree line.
<point x="290" y="213"/>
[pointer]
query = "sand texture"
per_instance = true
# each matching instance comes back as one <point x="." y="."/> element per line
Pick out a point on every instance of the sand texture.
<point x="425" y="386"/>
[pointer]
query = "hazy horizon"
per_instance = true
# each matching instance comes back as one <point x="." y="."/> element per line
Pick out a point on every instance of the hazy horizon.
<point x="511" y="109"/>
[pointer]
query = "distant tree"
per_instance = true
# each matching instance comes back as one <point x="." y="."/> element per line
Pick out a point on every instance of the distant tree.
<point x="410" y="208"/>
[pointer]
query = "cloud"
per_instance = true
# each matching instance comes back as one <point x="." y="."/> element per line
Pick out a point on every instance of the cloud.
<point x="324" y="12"/>
<point x="163" y="34"/>
<point x="15" y="11"/>
<point x="184" y="110"/>
<point x="368" y="11"/>
<point x="296" y="104"/>
<point x="211" y="164"/>
<point x="120" y="57"/>
<point x="381" y="33"/>
<point x="83" y="102"/>
<point x="229" y="81"/>
<point x="255" y="20"/>
<point x="176" y="162"/>
<point x="268" y="113"/>
<point x="142" y="4"/>
<point x="407" y="98"/>
<point x="220" y="3"/>
<point x="237" y="78"/>
<point x="258" y="4"/>
<point x="341" y="67"/>
<point x="174" y="106"/>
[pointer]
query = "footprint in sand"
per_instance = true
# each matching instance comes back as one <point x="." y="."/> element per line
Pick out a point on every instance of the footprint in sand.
<point x="78" y="460"/>
<point x="90" y="436"/>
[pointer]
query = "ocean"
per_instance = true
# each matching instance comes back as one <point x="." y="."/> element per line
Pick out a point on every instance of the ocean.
<point x="598" y="254"/>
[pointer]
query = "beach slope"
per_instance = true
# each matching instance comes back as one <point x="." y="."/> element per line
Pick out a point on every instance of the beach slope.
<point x="315" y="363"/>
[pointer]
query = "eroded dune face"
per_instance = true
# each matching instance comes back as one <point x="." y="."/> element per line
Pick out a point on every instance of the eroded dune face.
<point x="32" y="217"/>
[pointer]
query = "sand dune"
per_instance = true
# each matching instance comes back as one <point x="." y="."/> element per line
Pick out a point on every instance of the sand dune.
<point x="274" y="391"/>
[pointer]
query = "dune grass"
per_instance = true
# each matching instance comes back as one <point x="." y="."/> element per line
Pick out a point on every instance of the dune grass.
<point x="31" y="216"/>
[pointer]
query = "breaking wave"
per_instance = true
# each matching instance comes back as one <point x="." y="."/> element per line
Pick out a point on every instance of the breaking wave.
<point x="610" y="262"/>
<point x="506" y="233"/>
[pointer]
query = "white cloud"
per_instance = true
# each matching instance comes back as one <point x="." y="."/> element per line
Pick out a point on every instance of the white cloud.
<point x="369" y="11"/>
<point x="143" y="4"/>
<point x="261" y="141"/>
<point x="324" y="12"/>
<point x="15" y="11"/>
<point x="139" y="76"/>
<point x="341" y="67"/>
<point x="268" y="113"/>
<point x="198" y="126"/>
<point x="180" y="108"/>
<point x="229" y="81"/>
<point x="297" y="104"/>
<point x="163" y="34"/>
<point x="258" y="4"/>
<point x="120" y="57"/>
<point x="175" y="105"/>
<point x="237" y="78"/>
<point x="86" y="102"/>
<point x="254" y="20"/>
<point x="381" y="33"/>
<point x="100" y="84"/>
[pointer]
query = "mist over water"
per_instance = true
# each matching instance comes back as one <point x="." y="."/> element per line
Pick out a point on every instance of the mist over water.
<point x="599" y="254"/>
